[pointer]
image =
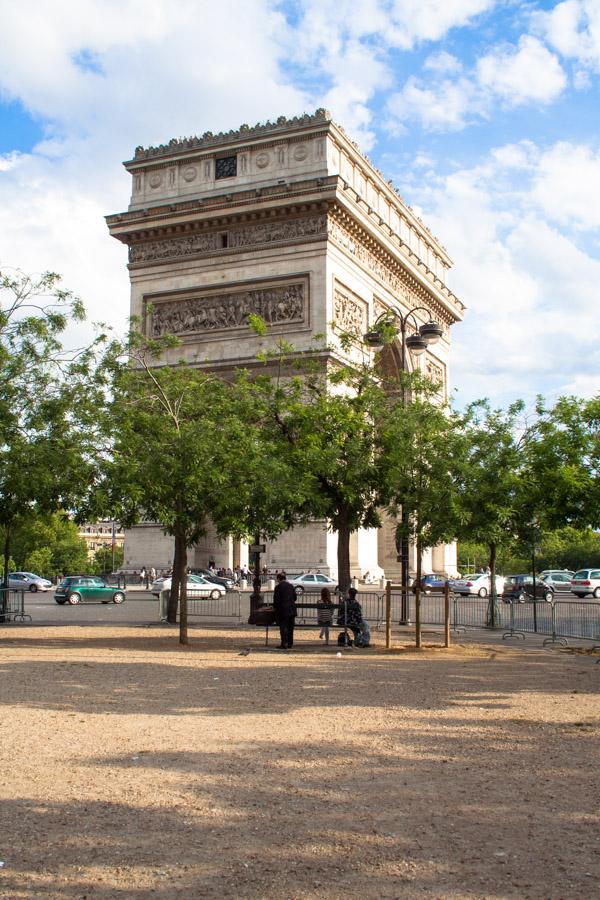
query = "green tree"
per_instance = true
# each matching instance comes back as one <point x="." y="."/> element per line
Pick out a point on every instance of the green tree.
<point x="322" y="419"/>
<point x="103" y="560"/>
<point x="423" y="451"/>
<point x="164" y="429"/>
<point x="492" y="495"/>
<point x="47" y="401"/>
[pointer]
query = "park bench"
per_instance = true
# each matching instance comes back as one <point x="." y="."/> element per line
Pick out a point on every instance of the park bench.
<point x="303" y="621"/>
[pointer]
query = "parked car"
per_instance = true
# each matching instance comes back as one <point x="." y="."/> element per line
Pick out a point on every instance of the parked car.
<point x="197" y="586"/>
<point x="586" y="581"/>
<point x="85" y="588"/>
<point x="27" y="581"/>
<point x="431" y="583"/>
<point x="559" y="581"/>
<point x="227" y="583"/>
<point x="313" y="582"/>
<point x="519" y="588"/>
<point x="478" y="584"/>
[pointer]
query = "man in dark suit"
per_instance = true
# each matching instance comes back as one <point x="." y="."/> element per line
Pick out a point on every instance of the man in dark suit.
<point x="284" y="607"/>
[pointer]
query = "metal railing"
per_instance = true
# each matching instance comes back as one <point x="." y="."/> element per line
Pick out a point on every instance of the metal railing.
<point x="556" y="619"/>
<point x="12" y="606"/>
<point x="227" y="606"/>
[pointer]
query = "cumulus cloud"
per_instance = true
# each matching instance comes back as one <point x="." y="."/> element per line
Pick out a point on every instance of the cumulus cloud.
<point x="444" y="107"/>
<point x="530" y="290"/>
<point x="567" y="185"/>
<point x="573" y="29"/>
<point x="106" y="76"/>
<point x="526" y="73"/>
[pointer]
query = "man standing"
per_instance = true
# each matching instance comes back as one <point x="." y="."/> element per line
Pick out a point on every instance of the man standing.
<point x="284" y="607"/>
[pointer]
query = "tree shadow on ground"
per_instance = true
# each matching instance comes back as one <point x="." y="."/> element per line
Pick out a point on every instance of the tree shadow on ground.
<point x="362" y="819"/>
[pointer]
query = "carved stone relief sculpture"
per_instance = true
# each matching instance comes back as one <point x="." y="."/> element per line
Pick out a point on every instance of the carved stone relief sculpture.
<point x="279" y="304"/>
<point x="244" y="236"/>
<point x="435" y="371"/>
<point x="350" y="312"/>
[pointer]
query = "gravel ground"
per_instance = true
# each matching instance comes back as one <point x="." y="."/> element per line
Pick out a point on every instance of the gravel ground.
<point x="134" y="768"/>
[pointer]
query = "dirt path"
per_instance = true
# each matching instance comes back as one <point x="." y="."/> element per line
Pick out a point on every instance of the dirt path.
<point x="132" y="768"/>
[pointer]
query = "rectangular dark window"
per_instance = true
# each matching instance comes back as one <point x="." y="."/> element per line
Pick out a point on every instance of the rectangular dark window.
<point x="226" y="167"/>
<point x="224" y="240"/>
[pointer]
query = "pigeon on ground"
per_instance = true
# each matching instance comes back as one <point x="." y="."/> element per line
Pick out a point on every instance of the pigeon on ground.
<point x="244" y="652"/>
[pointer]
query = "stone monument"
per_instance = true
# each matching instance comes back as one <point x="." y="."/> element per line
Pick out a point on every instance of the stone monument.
<point x="291" y="221"/>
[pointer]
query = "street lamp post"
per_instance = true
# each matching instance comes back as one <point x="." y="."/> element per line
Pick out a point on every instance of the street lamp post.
<point x="416" y="338"/>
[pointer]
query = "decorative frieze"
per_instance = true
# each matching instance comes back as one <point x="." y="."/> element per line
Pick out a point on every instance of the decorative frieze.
<point x="207" y="311"/>
<point x="406" y="295"/>
<point x="243" y="236"/>
<point x="349" y="311"/>
<point x="435" y="371"/>
<point x="172" y="248"/>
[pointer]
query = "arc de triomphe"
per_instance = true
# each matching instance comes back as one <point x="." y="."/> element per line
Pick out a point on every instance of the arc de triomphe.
<point x="290" y="220"/>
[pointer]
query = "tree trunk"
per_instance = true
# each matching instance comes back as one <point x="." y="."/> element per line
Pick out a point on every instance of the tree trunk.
<point x="174" y="594"/>
<point x="419" y="567"/>
<point x="7" y="536"/>
<point x="343" y="551"/>
<point x="494" y="611"/>
<point x="183" y="632"/>
<point x="4" y="593"/>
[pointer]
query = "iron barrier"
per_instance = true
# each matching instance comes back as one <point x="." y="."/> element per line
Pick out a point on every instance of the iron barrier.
<point x="12" y="606"/>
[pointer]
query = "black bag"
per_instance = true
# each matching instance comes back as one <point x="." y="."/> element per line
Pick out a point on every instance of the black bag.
<point x="344" y="639"/>
<point x="264" y="615"/>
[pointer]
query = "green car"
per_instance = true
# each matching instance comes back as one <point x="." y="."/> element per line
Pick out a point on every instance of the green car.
<point x="77" y="588"/>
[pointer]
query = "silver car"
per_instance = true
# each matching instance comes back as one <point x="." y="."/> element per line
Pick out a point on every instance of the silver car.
<point x="27" y="581"/>
<point x="312" y="582"/>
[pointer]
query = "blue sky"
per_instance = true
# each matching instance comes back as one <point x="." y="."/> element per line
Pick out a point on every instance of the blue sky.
<point x="485" y="114"/>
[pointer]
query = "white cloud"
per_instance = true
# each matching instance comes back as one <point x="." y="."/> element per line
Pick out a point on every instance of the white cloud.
<point x="527" y="73"/>
<point x="530" y="290"/>
<point x="523" y="74"/>
<point x="573" y="29"/>
<point x="157" y="71"/>
<point x="567" y="185"/>
<point x="446" y="106"/>
<point x="443" y="63"/>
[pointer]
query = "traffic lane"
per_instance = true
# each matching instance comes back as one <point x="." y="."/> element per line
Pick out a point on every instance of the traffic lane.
<point x="139" y="608"/>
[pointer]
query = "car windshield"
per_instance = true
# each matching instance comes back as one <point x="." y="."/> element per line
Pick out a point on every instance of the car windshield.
<point x="198" y="579"/>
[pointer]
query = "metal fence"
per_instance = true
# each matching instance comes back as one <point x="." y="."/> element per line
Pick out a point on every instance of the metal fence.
<point x="12" y="606"/>
<point x="557" y="619"/>
<point x="227" y="606"/>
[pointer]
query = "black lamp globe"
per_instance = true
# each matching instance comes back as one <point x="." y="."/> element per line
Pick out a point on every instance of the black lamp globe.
<point x="431" y="331"/>
<point x="416" y="344"/>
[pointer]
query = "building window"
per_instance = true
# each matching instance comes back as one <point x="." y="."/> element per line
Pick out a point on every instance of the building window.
<point x="224" y="240"/>
<point x="226" y="167"/>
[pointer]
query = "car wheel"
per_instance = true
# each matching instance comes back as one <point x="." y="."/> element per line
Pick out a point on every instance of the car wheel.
<point x="33" y="588"/>
<point x="74" y="598"/>
<point x="215" y="595"/>
<point x="60" y="601"/>
<point x="118" y="597"/>
<point x="299" y="589"/>
<point x="522" y="597"/>
<point x="597" y="593"/>
<point x="548" y="596"/>
<point x="482" y="592"/>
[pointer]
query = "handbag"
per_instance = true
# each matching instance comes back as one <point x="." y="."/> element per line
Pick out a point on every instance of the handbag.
<point x="264" y="615"/>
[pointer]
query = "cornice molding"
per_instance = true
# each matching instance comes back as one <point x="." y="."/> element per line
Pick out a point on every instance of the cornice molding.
<point x="353" y="239"/>
<point x="243" y="133"/>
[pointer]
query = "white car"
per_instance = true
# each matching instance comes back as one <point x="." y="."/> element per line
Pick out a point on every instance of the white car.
<point x="586" y="581"/>
<point x="197" y="586"/>
<point x="313" y="582"/>
<point x="478" y="584"/>
<point x="27" y="581"/>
